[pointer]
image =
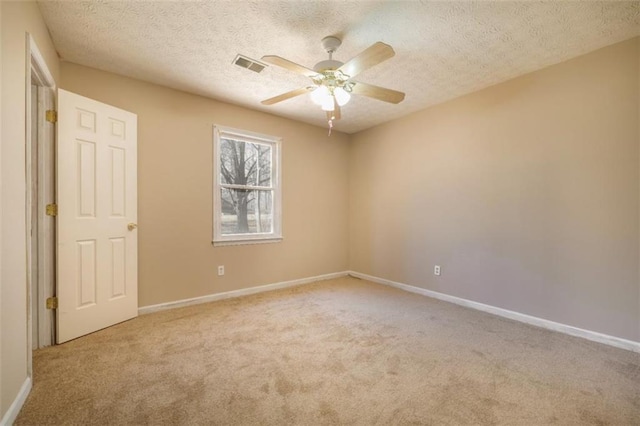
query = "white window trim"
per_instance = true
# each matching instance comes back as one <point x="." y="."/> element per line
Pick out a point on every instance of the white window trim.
<point x="235" y="239"/>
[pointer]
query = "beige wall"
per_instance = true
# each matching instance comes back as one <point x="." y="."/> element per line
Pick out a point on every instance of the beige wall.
<point x="18" y="18"/>
<point x="176" y="258"/>
<point x="526" y="194"/>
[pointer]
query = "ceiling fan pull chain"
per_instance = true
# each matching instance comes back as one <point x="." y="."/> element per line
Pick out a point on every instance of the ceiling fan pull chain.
<point x="330" y="126"/>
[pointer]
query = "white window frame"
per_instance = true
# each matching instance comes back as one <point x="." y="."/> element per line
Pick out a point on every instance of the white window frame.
<point x="220" y="132"/>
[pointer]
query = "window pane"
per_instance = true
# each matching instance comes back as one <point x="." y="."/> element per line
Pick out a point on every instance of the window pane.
<point x="243" y="163"/>
<point x="232" y="162"/>
<point x="264" y="164"/>
<point x="246" y="212"/>
<point x="250" y="165"/>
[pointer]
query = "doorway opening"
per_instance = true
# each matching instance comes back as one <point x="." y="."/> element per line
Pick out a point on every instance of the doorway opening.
<point x="40" y="177"/>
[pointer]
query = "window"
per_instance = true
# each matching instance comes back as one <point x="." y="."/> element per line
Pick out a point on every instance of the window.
<point x="246" y="185"/>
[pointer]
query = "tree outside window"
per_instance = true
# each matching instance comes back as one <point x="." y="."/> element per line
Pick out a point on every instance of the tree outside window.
<point x="246" y="186"/>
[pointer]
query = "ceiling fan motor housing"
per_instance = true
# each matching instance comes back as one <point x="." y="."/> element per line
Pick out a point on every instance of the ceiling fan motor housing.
<point x="328" y="74"/>
<point x="328" y="64"/>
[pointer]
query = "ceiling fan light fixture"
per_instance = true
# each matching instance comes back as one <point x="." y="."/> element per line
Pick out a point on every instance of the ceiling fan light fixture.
<point x="320" y="94"/>
<point x="342" y="96"/>
<point x="328" y="104"/>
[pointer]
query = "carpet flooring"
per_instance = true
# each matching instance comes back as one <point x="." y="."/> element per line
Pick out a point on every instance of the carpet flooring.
<point x="343" y="351"/>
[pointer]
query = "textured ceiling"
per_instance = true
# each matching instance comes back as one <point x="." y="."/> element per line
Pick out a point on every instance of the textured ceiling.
<point x="443" y="49"/>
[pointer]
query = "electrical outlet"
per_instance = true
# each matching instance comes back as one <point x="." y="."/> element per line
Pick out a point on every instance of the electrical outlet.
<point x="220" y="270"/>
<point x="436" y="270"/>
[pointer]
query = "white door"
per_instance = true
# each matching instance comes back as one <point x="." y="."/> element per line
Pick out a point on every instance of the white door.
<point x="97" y="283"/>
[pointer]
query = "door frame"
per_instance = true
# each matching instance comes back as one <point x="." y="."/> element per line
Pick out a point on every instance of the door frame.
<point x="38" y="72"/>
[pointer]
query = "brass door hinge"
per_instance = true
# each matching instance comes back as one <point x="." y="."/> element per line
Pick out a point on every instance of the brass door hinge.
<point x="52" y="116"/>
<point x="52" y="209"/>
<point x="52" y="303"/>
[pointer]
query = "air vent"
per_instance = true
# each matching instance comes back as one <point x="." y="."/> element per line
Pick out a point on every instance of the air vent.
<point x="248" y="63"/>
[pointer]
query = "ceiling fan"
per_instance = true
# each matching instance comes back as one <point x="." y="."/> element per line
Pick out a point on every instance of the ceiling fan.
<point x="333" y="80"/>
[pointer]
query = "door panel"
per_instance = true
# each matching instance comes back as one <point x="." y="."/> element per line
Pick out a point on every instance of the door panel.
<point x="97" y="199"/>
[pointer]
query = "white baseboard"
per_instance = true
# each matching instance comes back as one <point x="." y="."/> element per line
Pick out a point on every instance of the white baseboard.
<point x="528" y="319"/>
<point x="237" y="293"/>
<point x="15" y="407"/>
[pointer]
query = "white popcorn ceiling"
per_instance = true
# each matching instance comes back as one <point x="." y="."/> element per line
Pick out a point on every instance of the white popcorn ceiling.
<point x="443" y="49"/>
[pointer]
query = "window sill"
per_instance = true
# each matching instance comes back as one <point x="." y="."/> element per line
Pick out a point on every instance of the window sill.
<point x="245" y="242"/>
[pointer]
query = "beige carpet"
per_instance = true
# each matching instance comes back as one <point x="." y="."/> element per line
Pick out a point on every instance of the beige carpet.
<point x="343" y="351"/>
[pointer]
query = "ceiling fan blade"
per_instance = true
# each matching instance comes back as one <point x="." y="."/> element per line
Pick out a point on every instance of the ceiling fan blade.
<point x="285" y="96"/>
<point x="376" y="92"/>
<point x="288" y="65"/>
<point x="371" y="56"/>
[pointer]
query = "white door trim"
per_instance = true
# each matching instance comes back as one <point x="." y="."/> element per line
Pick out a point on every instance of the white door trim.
<point x="46" y="224"/>
<point x="38" y="64"/>
<point x="37" y="68"/>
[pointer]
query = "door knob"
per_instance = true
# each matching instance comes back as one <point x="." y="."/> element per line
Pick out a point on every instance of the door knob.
<point x="132" y="226"/>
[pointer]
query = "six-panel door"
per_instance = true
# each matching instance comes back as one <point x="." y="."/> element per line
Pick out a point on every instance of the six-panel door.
<point x="97" y="282"/>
